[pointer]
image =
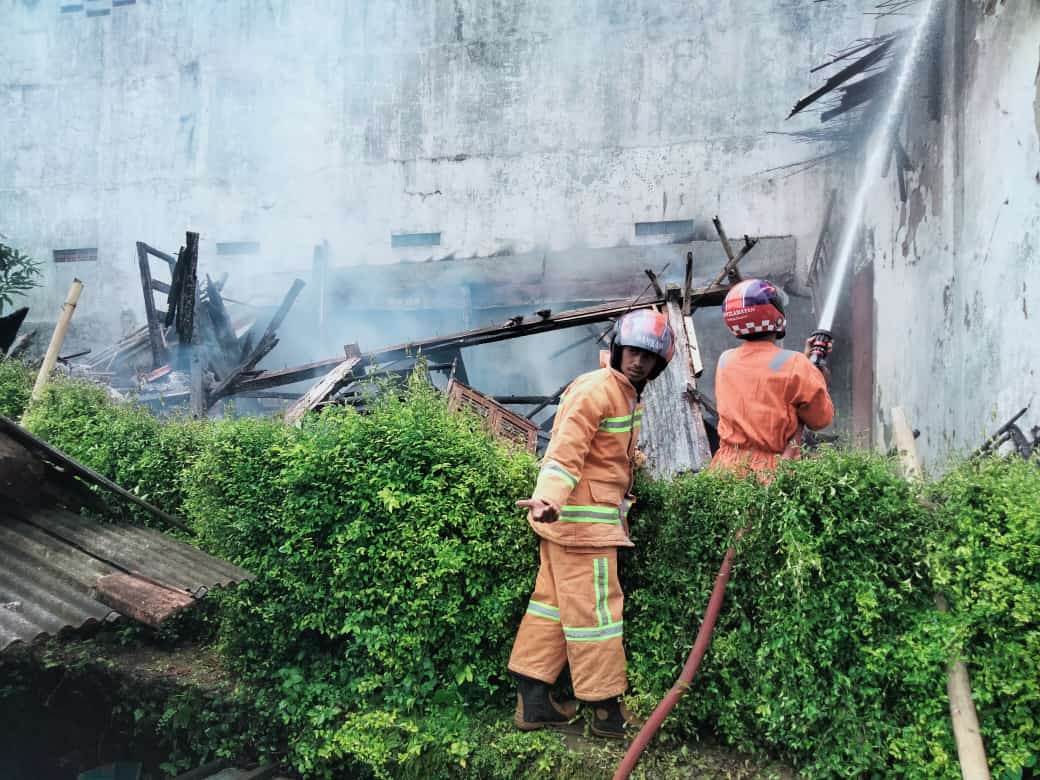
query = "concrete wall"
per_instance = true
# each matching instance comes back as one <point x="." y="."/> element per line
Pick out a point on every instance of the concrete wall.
<point x="957" y="267"/>
<point x="503" y="125"/>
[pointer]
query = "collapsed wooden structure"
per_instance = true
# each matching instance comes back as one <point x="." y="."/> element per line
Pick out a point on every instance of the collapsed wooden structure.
<point x="193" y="350"/>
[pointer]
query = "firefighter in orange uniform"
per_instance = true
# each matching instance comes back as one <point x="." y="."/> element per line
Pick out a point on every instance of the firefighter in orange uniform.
<point x="580" y="510"/>
<point x="765" y="394"/>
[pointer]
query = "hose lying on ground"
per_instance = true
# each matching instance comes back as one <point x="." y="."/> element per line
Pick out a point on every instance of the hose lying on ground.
<point x="700" y="647"/>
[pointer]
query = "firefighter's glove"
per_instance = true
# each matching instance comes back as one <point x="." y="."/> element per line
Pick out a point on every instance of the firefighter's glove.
<point x="541" y="511"/>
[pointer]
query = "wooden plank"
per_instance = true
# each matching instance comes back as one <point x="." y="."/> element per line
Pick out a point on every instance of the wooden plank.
<point x="221" y="320"/>
<point x="904" y="443"/>
<point x="687" y="284"/>
<point x="673" y="436"/>
<point x="321" y="391"/>
<point x="155" y="339"/>
<point x="265" y="380"/>
<point x="170" y="259"/>
<point x="188" y="292"/>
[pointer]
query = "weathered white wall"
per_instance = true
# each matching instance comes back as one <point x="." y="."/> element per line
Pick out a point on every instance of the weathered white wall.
<point x="957" y="268"/>
<point x="503" y="124"/>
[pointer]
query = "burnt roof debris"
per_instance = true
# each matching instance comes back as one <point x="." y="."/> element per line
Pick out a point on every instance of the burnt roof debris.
<point x="60" y="570"/>
<point x="878" y="51"/>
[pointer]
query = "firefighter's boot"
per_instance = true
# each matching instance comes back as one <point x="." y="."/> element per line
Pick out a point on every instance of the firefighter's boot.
<point x="536" y="708"/>
<point x="611" y="719"/>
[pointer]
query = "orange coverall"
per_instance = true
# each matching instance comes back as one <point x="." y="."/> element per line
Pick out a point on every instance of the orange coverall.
<point x="764" y="393"/>
<point x="575" y="611"/>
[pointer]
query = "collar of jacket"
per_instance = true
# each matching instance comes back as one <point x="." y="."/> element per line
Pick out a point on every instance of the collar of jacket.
<point x="628" y="387"/>
<point x="760" y="346"/>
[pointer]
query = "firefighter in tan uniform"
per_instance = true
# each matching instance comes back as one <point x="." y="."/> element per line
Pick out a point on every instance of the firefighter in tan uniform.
<point x="765" y="394"/>
<point x="580" y="510"/>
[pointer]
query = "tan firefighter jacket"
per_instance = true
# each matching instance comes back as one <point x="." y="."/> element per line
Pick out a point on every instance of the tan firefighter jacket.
<point x="587" y="468"/>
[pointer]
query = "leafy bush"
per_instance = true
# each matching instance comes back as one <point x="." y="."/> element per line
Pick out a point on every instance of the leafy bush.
<point x="393" y="569"/>
<point x="15" y="388"/>
<point x="123" y="441"/>
<point x="393" y="566"/>
<point x="987" y="563"/>
<point x="829" y="651"/>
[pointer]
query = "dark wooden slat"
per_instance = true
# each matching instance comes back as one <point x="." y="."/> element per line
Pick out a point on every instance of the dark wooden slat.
<point x="155" y="339"/>
<point x="170" y="259"/>
<point x="188" y="292"/>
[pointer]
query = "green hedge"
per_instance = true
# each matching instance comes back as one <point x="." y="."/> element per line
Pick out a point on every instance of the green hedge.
<point x="393" y="569"/>
<point x="987" y="563"/>
<point x="830" y="652"/>
<point x="15" y="387"/>
<point x="123" y="441"/>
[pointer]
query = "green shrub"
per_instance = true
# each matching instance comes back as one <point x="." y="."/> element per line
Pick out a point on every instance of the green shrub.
<point x="829" y="651"/>
<point x="122" y="441"/>
<point x="15" y="387"/>
<point x="829" y="582"/>
<point x="987" y="563"/>
<point x="393" y="570"/>
<point x="393" y="566"/>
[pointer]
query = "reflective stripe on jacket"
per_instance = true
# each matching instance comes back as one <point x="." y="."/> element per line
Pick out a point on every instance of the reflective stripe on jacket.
<point x="587" y="468"/>
<point x="763" y="394"/>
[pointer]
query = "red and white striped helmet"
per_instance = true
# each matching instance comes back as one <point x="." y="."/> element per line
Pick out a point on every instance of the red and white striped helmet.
<point x="646" y="329"/>
<point x="755" y="306"/>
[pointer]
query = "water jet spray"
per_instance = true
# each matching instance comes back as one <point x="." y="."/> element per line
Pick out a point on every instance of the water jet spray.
<point x="877" y="149"/>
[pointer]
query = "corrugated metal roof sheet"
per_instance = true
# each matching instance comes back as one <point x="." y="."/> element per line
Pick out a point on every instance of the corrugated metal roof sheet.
<point x="51" y="557"/>
<point x="51" y="560"/>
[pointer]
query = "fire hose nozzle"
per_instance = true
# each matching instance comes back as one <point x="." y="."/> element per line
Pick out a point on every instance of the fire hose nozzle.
<point x="820" y="347"/>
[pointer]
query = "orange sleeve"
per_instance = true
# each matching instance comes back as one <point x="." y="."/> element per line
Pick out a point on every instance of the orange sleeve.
<point x="577" y="421"/>
<point x="810" y="397"/>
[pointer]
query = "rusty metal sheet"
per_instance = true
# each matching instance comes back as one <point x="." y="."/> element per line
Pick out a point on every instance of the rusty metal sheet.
<point x="140" y="598"/>
<point x="51" y="560"/>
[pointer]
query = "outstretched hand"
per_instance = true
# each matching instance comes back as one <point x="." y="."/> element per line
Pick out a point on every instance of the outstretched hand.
<point x="542" y="511"/>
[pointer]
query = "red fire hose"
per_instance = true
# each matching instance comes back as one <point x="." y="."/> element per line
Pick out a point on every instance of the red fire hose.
<point x="700" y="647"/>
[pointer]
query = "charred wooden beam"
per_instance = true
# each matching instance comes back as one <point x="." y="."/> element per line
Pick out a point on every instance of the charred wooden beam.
<point x="554" y="398"/>
<point x="170" y="259"/>
<point x="729" y="270"/>
<point x="525" y="400"/>
<point x="188" y="292"/>
<point x="687" y="284"/>
<point x="155" y="339"/>
<point x="267" y="343"/>
<point x="21" y="344"/>
<point x="286" y="376"/>
<point x="654" y="282"/>
<point x="221" y="321"/>
<point x="447" y="346"/>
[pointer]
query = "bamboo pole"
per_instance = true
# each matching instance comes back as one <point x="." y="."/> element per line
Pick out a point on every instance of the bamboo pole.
<point x="57" y="339"/>
<point x="965" y="720"/>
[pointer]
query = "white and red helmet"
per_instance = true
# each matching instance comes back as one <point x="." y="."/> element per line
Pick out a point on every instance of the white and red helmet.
<point x="645" y="329"/>
<point x="755" y="306"/>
